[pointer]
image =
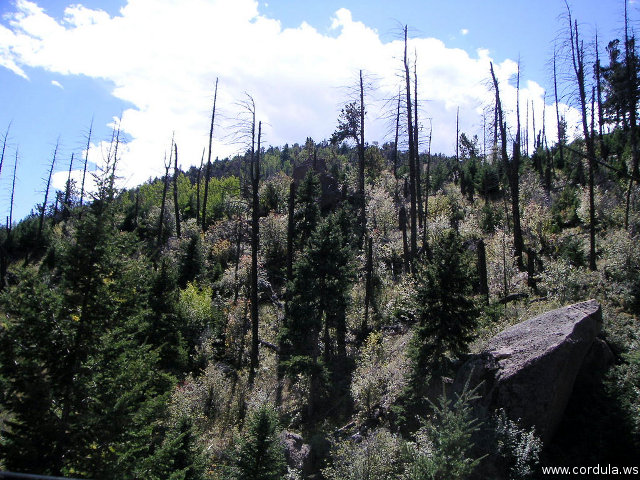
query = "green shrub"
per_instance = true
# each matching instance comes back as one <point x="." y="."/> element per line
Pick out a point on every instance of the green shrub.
<point x="375" y="456"/>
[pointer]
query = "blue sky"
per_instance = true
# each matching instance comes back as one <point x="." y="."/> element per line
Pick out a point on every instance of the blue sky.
<point x="154" y="62"/>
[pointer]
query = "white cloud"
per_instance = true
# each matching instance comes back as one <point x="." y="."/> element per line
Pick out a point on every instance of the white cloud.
<point x="56" y="83"/>
<point x="464" y="31"/>
<point x="163" y="57"/>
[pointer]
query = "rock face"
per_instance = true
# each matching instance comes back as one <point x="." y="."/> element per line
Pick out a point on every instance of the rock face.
<point x="530" y="369"/>
<point x="297" y="453"/>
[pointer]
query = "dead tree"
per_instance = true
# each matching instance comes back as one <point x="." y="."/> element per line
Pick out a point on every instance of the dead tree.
<point x="395" y="142"/>
<point x="351" y="125"/>
<point x="43" y="210"/>
<point x="86" y="161"/>
<point x="361" y="194"/>
<point x="255" y="237"/>
<point x="13" y="189"/>
<point x="208" y="170"/>
<point x="417" y="144"/>
<point x="511" y="168"/>
<point x="577" y="60"/>
<point x="175" y="187"/>
<point x="412" y="162"/>
<point x="632" y="95"/>
<point x="427" y="186"/>
<point x="6" y="245"/>
<point x="165" y="186"/>
<point x="555" y="91"/>
<point x="5" y="138"/>
<point x="67" y="191"/>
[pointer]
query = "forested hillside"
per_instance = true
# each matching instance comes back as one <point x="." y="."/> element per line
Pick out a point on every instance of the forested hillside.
<point x="203" y="324"/>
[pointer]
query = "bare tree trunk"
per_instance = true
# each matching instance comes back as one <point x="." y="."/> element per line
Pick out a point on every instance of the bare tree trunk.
<point x="43" y="210"/>
<point x="175" y="188"/>
<point x="255" y="225"/>
<point x="555" y="91"/>
<point x="208" y="171"/>
<point x="6" y="245"/>
<point x="427" y="185"/>
<point x="165" y="186"/>
<point x="514" y="177"/>
<point x="361" y="193"/>
<point x="395" y="142"/>
<point x="86" y="161"/>
<point x="577" y="58"/>
<point x="630" y="60"/>
<point x="512" y="171"/>
<point x="412" y="162"/>
<point x="417" y="144"/>
<point x="13" y="189"/>
<point x="5" y="138"/>
<point x="67" y="191"/>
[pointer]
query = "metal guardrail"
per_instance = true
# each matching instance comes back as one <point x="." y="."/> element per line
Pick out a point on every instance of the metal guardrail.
<point x="4" y="474"/>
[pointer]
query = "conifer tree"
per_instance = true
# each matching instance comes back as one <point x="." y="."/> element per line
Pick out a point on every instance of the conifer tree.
<point x="260" y="455"/>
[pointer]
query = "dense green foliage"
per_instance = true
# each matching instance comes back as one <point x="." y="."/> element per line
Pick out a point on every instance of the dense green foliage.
<point x="124" y="345"/>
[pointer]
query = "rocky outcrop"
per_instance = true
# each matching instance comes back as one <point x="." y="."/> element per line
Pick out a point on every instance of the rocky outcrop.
<point x="530" y="369"/>
<point x="297" y="453"/>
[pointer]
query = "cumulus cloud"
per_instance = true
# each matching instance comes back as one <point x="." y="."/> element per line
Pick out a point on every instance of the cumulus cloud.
<point x="163" y="58"/>
<point x="56" y="83"/>
<point x="464" y="31"/>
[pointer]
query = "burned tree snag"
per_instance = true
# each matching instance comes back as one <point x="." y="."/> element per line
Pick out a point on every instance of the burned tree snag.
<point x="208" y="170"/>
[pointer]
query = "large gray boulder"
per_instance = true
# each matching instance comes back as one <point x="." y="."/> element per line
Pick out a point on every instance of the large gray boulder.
<point x="296" y="452"/>
<point x="530" y="369"/>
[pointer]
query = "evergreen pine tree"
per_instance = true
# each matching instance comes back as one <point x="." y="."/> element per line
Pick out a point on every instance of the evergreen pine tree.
<point x="260" y="455"/>
<point x="307" y="212"/>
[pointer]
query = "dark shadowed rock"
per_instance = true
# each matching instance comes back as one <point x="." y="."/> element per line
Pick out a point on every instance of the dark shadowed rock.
<point x="530" y="369"/>
<point x="297" y="453"/>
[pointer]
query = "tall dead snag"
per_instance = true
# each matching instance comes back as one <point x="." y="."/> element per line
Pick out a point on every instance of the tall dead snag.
<point x="43" y="210"/>
<point x="361" y="194"/>
<point x="6" y="245"/>
<point x="67" y="191"/>
<point x="165" y="186"/>
<point x="558" y="119"/>
<point x="512" y="169"/>
<point x="416" y="143"/>
<point x="255" y="236"/>
<point x="175" y="188"/>
<point x="13" y="189"/>
<point x="632" y="102"/>
<point x="208" y="170"/>
<point x="86" y="161"/>
<point x="395" y="141"/>
<point x="412" y="162"/>
<point x="5" y="138"/>
<point x="577" y="60"/>
<point x="598" y="78"/>
<point x="427" y="185"/>
<point x="351" y="126"/>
